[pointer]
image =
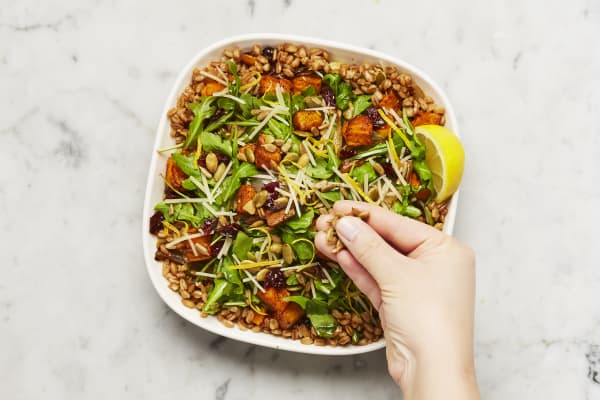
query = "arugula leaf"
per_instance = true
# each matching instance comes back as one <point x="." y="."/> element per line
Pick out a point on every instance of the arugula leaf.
<point x="320" y="318"/>
<point x="331" y="196"/>
<point x="212" y="142"/>
<point x="361" y="104"/>
<point x="358" y="173"/>
<point x="242" y="245"/>
<point x="378" y="149"/>
<point x="165" y="209"/>
<point x="309" y="91"/>
<point x="300" y="300"/>
<point x="300" y="224"/>
<point x="279" y="129"/>
<point x="186" y="164"/>
<point x="233" y="182"/>
<point x="221" y="289"/>
<point x="332" y="80"/>
<point x="344" y="95"/>
<point x="226" y="103"/>
<point x="292" y="280"/>
<point x="232" y="276"/>
<point x="250" y="103"/>
<point x="406" y="209"/>
<point x="187" y="212"/>
<point x="321" y="171"/>
<point x="202" y="112"/>
<point x="422" y="169"/>
<point x="234" y="87"/>
<point x="220" y="121"/>
<point x="297" y="103"/>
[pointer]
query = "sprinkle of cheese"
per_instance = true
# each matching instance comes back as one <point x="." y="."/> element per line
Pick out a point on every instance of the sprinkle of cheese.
<point x="249" y="265"/>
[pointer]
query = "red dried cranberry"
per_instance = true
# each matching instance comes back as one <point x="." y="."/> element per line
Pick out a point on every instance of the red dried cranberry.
<point x="271" y="186"/>
<point x="170" y="194"/>
<point x="268" y="52"/>
<point x="375" y="118"/>
<point x="156" y="222"/>
<point x="216" y="247"/>
<point x="208" y="226"/>
<point x="275" y="279"/>
<point x="328" y="95"/>
<point x="222" y="157"/>
<point x="389" y="170"/>
<point x="229" y="230"/>
<point x="347" y="153"/>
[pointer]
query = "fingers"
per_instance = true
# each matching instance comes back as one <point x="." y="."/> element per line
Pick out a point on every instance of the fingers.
<point x="361" y="277"/>
<point x="368" y="248"/>
<point x="403" y="233"/>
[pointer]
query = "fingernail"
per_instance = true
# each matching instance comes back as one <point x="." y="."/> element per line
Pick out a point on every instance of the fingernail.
<point x="347" y="228"/>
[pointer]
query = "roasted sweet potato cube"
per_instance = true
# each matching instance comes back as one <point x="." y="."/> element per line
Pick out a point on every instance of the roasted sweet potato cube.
<point x="265" y="155"/>
<point x="275" y="218"/>
<point x="301" y="83"/>
<point x="414" y="180"/>
<point x="202" y="247"/>
<point x="427" y="118"/>
<point x="288" y="317"/>
<point x="258" y="319"/>
<point x="390" y="101"/>
<point x="274" y="298"/>
<point x="268" y="84"/>
<point x="358" y="131"/>
<point x="174" y="175"/>
<point x="384" y="132"/>
<point x="306" y="120"/>
<point x="244" y="194"/>
<point x="211" y="87"/>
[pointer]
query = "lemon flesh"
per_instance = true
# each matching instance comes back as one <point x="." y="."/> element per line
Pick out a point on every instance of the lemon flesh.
<point x="445" y="157"/>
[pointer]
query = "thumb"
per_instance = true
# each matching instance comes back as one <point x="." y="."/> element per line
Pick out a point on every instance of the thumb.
<point x="368" y="248"/>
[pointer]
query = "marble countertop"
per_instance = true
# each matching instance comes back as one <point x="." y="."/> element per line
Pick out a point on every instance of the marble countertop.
<point x="83" y="85"/>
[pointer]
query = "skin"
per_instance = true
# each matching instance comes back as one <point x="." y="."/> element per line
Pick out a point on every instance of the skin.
<point x="422" y="282"/>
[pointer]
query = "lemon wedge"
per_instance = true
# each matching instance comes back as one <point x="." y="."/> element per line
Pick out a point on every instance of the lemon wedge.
<point x="445" y="157"/>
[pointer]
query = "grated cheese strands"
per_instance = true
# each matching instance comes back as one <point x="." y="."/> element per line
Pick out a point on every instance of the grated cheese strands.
<point x="311" y="158"/>
<point x="299" y="267"/>
<point x="253" y="280"/>
<point x="328" y="276"/>
<point x="232" y="97"/>
<point x="206" y="274"/>
<point x="327" y="134"/>
<point x="182" y="201"/>
<point x="262" y="124"/>
<point x="175" y="242"/>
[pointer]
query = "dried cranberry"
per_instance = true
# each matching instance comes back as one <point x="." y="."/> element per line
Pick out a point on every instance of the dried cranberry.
<point x="229" y="230"/>
<point x="208" y="226"/>
<point x="271" y="186"/>
<point x="222" y="157"/>
<point x="328" y="96"/>
<point x="156" y="222"/>
<point x="375" y="118"/>
<point x="320" y="273"/>
<point x="269" y="52"/>
<point x="202" y="162"/>
<point x="347" y="153"/>
<point x="389" y="170"/>
<point x="170" y="194"/>
<point x="216" y="247"/>
<point x="275" y="279"/>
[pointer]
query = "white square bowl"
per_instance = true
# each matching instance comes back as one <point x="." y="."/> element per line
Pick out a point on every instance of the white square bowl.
<point x="155" y="186"/>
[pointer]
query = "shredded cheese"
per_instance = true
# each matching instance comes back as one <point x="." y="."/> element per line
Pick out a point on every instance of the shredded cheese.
<point x="253" y="280"/>
<point x="250" y="264"/>
<point x="310" y="155"/>
<point x="214" y="78"/>
<point x="222" y="178"/>
<point x="175" y="242"/>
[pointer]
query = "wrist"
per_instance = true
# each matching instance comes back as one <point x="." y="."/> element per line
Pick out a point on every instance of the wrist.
<point x="447" y="375"/>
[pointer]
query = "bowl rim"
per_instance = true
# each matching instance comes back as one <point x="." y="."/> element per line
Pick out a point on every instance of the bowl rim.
<point x="159" y="282"/>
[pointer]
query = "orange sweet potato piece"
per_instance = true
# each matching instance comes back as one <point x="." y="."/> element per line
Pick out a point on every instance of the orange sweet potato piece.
<point x="384" y="132"/>
<point x="264" y="158"/>
<point x="268" y="84"/>
<point x="427" y="118"/>
<point x="211" y="87"/>
<point x="274" y="298"/>
<point x="306" y="120"/>
<point x="201" y="255"/>
<point x="357" y="131"/>
<point x="300" y="83"/>
<point x="390" y="100"/>
<point x="244" y="194"/>
<point x="258" y="319"/>
<point x="174" y="175"/>
<point x="275" y="218"/>
<point x="290" y="315"/>
<point x="414" y="180"/>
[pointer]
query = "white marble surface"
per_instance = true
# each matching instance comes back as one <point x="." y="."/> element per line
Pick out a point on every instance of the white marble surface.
<point x="83" y="85"/>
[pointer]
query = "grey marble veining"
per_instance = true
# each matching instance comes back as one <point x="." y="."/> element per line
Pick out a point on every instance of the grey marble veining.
<point x="83" y="85"/>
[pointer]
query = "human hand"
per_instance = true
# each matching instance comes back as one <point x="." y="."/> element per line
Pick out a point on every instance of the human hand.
<point x="422" y="283"/>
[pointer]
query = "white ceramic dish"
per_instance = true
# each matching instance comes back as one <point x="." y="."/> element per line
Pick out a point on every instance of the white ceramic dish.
<point x="155" y="186"/>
